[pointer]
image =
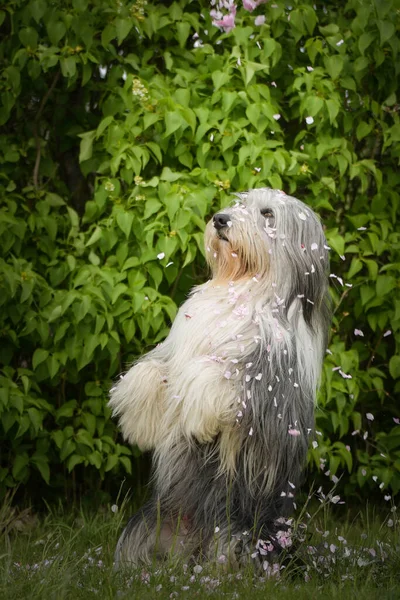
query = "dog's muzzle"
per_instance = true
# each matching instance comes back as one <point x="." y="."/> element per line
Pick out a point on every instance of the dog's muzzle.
<point x="220" y="221"/>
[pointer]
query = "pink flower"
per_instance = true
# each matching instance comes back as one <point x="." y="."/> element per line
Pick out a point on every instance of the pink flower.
<point x="251" y="5"/>
<point x="294" y="432"/>
<point x="227" y="23"/>
<point x="284" y="538"/>
<point x="260" y="20"/>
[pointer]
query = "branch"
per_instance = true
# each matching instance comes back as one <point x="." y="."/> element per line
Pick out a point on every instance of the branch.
<point x="35" y="129"/>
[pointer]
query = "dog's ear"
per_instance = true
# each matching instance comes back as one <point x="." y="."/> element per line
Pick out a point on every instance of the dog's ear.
<point x="278" y="417"/>
<point x="300" y="264"/>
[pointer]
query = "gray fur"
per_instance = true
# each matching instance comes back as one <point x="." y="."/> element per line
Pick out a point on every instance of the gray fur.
<point x="200" y="507"/>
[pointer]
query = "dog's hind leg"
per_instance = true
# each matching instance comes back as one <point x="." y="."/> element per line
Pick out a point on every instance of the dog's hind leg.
<point x="137" y="542"/>
<point x="230" y="546"/>
<point x="149" y="537"/>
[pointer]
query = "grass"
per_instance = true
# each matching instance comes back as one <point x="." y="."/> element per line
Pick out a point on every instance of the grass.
<point x="69" y="555"/>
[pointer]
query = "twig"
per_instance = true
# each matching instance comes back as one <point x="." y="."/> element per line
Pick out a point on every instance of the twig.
<point x="175" y="286"/>
<point x="378" y="343"/>
<point x="35" y="129"/>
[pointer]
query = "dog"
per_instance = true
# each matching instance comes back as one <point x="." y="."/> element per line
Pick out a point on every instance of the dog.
<point x="226" y="402"/>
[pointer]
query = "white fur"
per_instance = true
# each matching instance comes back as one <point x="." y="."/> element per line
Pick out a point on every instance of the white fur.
<point x="238" y="370"/>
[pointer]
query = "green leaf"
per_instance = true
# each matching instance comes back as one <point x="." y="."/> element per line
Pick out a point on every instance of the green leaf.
<point x="27" y="288"/>
<point x="219" y="79"/>
<point x="364" y="41"/>
<point x="36" y="418"/>
<point x="336" y="241"/>
<point x="168" y="175"/>
<point x="386" y="30"/>
<point x="54" y="199"/>
<point x="39" y="356"/>
<point x="74" y="218"/>
<point x="68" y="67"/>
<point x="84" y="437"/>
<point x="328" y="30"/>
<point x="334" y="65"/>
<point x="96" y="235"/>
<point x="67" y="448"/>
<point x="80" y="5"/>
<point x="372" y="266"/>
<point x="58" y="438"/>
<point x="122" y="27"/>
<point x="108" y="34"/>
<point x="112" y="461"/>
<point x="314" y="105"/>
<point x="29" y="37"/>
<point x="355" y="267"/>
<point x="66" y="410"/>
<point x="37" y="9"/>
<point x="361" y="63"/>
<point x="74" y="460"/>
<point x="253" y="114"/>
<point x="333" y="109"/>
<point x="42" y="465"/>
<point x="173" y="121"/>
<point x="127" y="463"/>
<point x="183" y="31"/>
<point x="86" y="146"/>
<point x="251" y="68"/>
<point x="129" y="329"/>
<point x="86" y="73"/>
<point x="53" y="365"/>
<point x="309" y="18"/>
<point x="104" y="123"/>
<point x="363" y="129"/>
<point x="93" y="389"/>
<point x="385" y="284"/>
<point x="348" y="83"/>
<point x="125" y="221"/>
<point x="20" y="462"/>
<point x="394" y="367"/>
<point x="95" y="459"/>
<point x="56" y="31"/>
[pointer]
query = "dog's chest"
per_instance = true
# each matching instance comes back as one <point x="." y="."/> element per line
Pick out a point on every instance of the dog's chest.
<point x="215" y="321"/>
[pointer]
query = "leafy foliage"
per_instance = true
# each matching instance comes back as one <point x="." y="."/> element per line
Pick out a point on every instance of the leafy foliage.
<point x="124" y="126"/>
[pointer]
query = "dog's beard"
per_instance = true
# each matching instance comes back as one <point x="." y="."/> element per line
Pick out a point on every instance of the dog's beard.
<point x="232" y="254"/>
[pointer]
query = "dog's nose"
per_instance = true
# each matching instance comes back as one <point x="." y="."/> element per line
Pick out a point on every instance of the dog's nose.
<point x="221" y="220"/>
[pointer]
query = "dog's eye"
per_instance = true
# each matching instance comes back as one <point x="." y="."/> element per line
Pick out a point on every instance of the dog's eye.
<point x="267" y="213"/>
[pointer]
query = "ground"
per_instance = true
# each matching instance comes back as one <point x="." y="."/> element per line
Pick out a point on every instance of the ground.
<point x="69" y="555"/>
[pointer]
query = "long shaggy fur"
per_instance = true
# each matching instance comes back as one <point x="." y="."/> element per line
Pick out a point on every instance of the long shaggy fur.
<point x="226" y="403"/>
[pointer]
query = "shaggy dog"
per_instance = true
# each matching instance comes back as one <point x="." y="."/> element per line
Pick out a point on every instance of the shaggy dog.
<point x="226" y="402"/>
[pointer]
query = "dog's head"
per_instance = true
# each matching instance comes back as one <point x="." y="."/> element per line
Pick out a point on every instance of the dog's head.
<point x="275" y="239"/>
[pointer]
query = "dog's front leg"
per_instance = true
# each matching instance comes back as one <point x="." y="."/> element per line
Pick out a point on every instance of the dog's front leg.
<point x="138" y="400"/>
<point x="207" y="399"/>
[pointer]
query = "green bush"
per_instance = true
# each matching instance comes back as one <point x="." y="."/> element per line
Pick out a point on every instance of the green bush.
<point x="124" y="127"/>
